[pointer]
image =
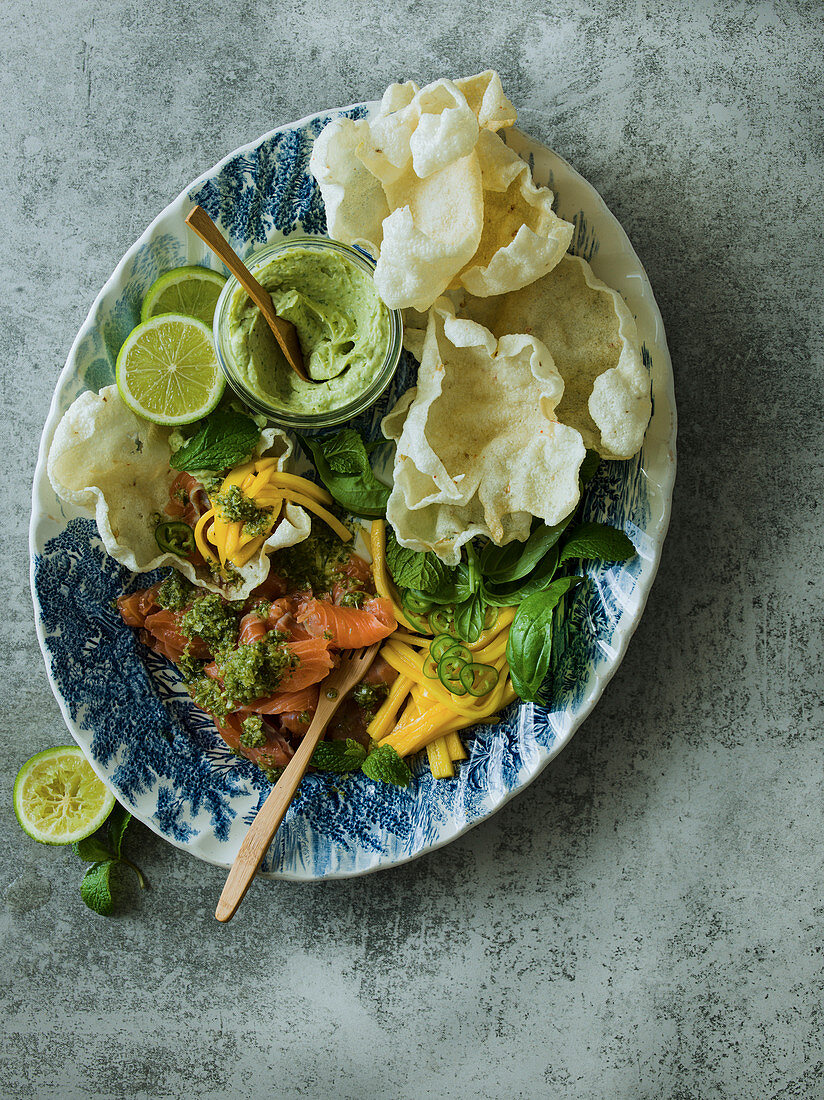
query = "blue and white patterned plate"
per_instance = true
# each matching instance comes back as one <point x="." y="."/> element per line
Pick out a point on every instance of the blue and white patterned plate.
<point x="124" y="705"/>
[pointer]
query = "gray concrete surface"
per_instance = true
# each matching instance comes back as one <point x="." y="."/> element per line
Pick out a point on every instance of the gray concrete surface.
<point x="646" y="919"/>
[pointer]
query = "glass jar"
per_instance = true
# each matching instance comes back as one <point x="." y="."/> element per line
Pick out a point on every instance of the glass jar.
<point x="233" y="294"/>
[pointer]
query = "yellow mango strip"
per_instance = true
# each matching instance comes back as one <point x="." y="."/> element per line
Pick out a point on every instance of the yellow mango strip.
<point x="435" y="722"/>
<point x="220" y="528"/>
<point x="505" y="617"/>
<point x="493" y="651"/>
<point x="300" y="485"/>
<point x="410" y="712"/>
<point x="218" y="536"/>
<point x="406" y="664"/>
<point x="426" y="727"/>
<point x="269" y="498"/>
<point x="380" y="724"/>
<point x="237" y="476"/>
<point x="256" y="484"/>
<point x="241" y="557"/>
<point x="342" y="532"/>
<point x="383" y="585"/>
<point x="233" y="531"/>
<point x="200" y="537"/>
<point x="408" y="639"/>
<point x="265" y="464"/>
<point x="440" y="763"/>
<point x="454" y="746"/>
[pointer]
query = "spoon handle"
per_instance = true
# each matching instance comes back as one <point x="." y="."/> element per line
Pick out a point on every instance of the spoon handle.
<point x="269" y="817"/>
<point x="202" y="224"/>
<point x="284" y="331"/>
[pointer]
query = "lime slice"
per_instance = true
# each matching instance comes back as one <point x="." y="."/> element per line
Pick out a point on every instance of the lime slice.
<point x="167" y="370"/>
<point x="58" y="798"/>
<point x="193" y="291"/>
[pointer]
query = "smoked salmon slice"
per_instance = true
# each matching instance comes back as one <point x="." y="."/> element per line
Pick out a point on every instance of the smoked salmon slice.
<point x="314" y="662"/>
<point x="284" y="702"/>
<point x="164" y="626"/>
<point x="135" y="607"/>
<point x="348" y="627"/>
<point x="276" y="752"/>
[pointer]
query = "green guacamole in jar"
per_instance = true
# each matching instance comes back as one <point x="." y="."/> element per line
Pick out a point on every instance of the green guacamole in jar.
<point x="342" y="324"/>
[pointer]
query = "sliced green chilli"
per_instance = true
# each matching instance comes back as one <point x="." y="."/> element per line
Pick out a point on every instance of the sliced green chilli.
<point x="419" y="621"/>
<point x="439" y="645"/>
<point x="175" y="537"/>
<point x="450" y="666"/>
<point x="458" y="652"/>
<point x="479" y="679"/>
<point x="430" y="667"/>
<point x="416" y="602"/>
<point x="442" y="620"/>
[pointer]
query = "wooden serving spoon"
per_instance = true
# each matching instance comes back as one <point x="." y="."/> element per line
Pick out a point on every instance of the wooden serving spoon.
<point x="333" y="689"/>
<point x="284" y="331"/>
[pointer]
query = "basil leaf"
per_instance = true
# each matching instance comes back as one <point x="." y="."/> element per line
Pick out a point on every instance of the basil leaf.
<point x="225" y="439"/>
<point x="469" y="618"/>
<point x="339" y="757"/>
<point x="516" y="564"/>
<point x="95" y="889"/>
<point x="597" y="542"/>
<point x="91" y="849"/>
<point x="360" y="493"/>
<point x="511" y="594"/>
<point x="529" y="646"/>
<point x="425" y="573"/>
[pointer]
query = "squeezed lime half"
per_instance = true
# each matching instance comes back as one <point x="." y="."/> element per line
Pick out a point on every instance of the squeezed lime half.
<point x="58" y="798"/>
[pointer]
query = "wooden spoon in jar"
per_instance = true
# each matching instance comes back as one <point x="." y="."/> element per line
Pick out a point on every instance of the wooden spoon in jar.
<point x="353" y="667"/>
<point x="283" y="331"/>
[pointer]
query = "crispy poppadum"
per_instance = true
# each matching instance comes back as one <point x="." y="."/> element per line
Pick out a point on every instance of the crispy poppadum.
<point x="115" y="465"/>
<point x="479" y="451"/>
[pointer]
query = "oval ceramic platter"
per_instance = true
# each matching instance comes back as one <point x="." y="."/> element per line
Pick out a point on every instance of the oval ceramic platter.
<point x="126" y="707"/>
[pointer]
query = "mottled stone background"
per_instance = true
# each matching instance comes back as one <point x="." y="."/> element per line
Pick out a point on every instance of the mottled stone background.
<point x="646" y="919"/>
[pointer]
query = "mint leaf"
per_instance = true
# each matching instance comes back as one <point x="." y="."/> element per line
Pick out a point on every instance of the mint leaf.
<point x="596" y="542"/>
<point x="91" y="849"/>
<point x="346" y="453"/>
<point x="529" y="646"/>
<point x="225" y="439"/>
<point x="425" y="573"/>
<point x="118" y="823"/>
<point x="343" y="467"/>
<point x="95" y="889"/>
<point x="338" y="756"/>
<point x="385" y="766"/>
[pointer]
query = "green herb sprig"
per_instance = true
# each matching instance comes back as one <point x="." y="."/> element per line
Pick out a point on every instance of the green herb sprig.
<point x="225" y="439"/>
<point x="98" y="887"/>
<point x="523" y="574"/>
<point x="382" y="764"/>
<point x="343" y="466"/>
